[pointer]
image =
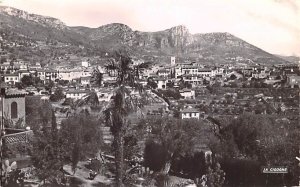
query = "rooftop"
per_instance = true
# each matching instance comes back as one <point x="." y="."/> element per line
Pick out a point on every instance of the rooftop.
<point x="10" y="75"/>
<point x="15" y="92"/>
<point x="185" y="90"/>
<point x="78" y="91"/>
<point x="86" y="78"/>
<point x="189" y="110"/>
<point x="204" y="69"/>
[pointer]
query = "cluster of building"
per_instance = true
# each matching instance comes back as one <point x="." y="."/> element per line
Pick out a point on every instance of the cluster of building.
<point x="188" y="79"/>
<point x="186" y="90"/>
<point x="197" y="74"/>
<point x="13" y="72"/>
<point x="245" y="85"/>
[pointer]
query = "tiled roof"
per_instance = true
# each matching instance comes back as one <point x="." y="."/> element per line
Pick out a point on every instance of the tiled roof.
<point x="204" y="69"/>
<point x="189" y="110"/>
<point x="86" y="78"/>
<point x="11" y="92"/>
<point x="185" y="90"/>
<point x="23" y="71"/>
<point x="10" y="75"/>
<point x="78" y="91"/>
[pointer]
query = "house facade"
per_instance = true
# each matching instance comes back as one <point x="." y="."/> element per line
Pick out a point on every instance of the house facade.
<point x="293" y="80"/>
<point x="11" y="79"/>
<point x="76" y="94"/>
<point x="189" y="113"/>
<point x="187" y="93"/>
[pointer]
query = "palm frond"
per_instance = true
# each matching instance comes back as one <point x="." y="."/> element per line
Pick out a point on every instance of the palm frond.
<point x="89" y="99"/>
<point x="97" y="77"/>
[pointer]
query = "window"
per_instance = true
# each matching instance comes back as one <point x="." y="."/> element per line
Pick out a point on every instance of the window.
<point x="14" y="110"/>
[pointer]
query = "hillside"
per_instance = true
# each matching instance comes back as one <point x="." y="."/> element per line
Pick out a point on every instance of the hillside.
<point x="176" y="41"/>
<point x="37" y="27"/>
<point x="292" y="59"/>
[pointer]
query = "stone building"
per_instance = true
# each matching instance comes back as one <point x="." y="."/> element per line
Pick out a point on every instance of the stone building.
<point x="13" y="107"/>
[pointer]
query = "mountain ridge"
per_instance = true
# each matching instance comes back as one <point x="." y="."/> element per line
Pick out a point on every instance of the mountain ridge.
<point x="47" y="20"/>
<point x="217" y="47"/>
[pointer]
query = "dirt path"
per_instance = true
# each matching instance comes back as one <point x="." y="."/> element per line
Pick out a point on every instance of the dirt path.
<point x="82" y="174"/>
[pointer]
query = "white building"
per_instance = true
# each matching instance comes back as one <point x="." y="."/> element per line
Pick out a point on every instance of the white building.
<point x="161" y="83"/>
<point x="41" y="74"/>
<point x="173" y="61"/>
<point x="11" y="79"/>
<point x="189" y="70"/>
<point x="218" y="72"/>
<point x="192" y="79"/>
<point x="163" y="73"/>
<point x="22" y="73"/>
<point x="189" y="113"/>
<point x="205" y="72"/>
<point x="85" y="81"/>
<point x="187" y="93"/>
<point x="51" y="74"/>
<point x="73" y="74"/>
<point x="76" y="94"/>
<point x="85" y="64"/>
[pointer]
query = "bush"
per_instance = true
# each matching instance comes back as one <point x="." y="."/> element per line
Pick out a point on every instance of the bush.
<point x="155" y="156"/>
<point x="242" y="172"/>
<point x="170" y="93"/>
<point x="68" y="101"/>
<point x="58" y="95"/>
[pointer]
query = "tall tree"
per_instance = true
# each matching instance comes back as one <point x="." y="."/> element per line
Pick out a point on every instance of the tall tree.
<point x="27" y="80"/>
<point x="82" y="137"/>
<point x="47" y="154"/>
<point x="97" y="77"/>
<point x="92" y="98"/>
<point x="57" y="95"/>
<point x="121" y="106"/>
<point x="262" y="139"/>
<point x="174" y="138"/>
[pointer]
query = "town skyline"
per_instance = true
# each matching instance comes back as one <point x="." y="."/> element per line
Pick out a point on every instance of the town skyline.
<point x="258" y="22"/>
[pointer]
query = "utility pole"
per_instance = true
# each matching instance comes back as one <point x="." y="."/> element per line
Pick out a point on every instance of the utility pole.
<point x="298" y="124"/>
<point x="298" y="158"/>
<point x="2" y="93"/>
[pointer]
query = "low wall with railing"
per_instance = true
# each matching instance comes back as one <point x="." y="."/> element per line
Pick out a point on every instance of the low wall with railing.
<point x="17" y="136"/>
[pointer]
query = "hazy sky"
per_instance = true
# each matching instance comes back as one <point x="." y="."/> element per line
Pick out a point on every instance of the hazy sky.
<point x="273" y="25"/>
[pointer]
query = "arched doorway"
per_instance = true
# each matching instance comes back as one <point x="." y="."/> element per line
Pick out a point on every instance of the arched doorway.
<point x="14" y="110"/>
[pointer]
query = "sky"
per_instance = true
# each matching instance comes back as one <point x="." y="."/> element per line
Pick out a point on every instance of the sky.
<point x="273" y="25"/>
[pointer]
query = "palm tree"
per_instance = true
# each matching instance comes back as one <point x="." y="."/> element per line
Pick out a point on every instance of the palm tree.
<point x="122" y="104"/>
<point x="91" y="98"/>
<point x="120" y="107"/>
<point x="97" y="77"/>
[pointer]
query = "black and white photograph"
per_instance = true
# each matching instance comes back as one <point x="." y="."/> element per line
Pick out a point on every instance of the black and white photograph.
<point x="150" y="93"/>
